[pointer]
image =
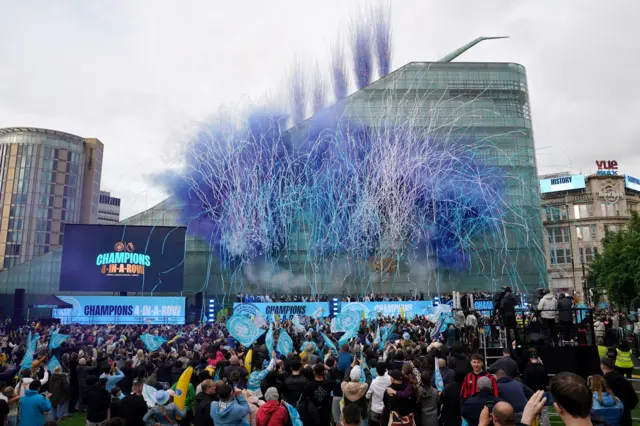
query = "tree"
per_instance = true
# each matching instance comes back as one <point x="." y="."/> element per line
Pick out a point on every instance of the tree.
<point x="617" y="268"/>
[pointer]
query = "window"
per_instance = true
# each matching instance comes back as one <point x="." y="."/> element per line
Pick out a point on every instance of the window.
<point x="556" y="213"/>
<point x="609" y="210"/>
<point x="633" y="207"/>
<point x="586" y="233"/>
<point x="560" y="256"/>
<point x="558" y="235"/>
<point x="581" y="211"/>
<point x="587" y="254"/>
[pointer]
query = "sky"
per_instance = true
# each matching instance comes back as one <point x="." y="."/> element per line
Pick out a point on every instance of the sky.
<point x="142" y="75"/>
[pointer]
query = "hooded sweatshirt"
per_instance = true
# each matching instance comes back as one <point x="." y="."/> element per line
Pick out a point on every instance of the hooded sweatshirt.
<point x="32" y="408"/>
<point x="548" y="305"/>
<point x="272" y="413"/>
<point x="355" y="393"/>
<point x="229" y="413"/>
<point x="609" y="409"/>
<point x="376" y="392"/>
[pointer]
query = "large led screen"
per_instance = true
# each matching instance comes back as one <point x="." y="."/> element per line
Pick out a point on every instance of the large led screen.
<point x="114" y="258"/>
<point x="121" y="310"/>
<point x="562" y="183"/>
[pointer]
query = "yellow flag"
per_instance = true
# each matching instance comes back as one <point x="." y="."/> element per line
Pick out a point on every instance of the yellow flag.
<point x="363" y="315"/>
<point x="277" y="318"/>
<point x="401" y="311"/>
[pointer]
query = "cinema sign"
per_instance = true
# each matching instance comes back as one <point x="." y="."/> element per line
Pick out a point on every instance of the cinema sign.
<point x="607" y="168"/>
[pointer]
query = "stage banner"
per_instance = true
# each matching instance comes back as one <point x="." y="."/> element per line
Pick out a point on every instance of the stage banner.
<point x="286" y="311"/>
<point x="371" y="309"/>
<point x="121" y="310"/>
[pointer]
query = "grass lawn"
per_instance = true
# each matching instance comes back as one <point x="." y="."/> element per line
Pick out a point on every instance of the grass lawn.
<point x="555" y="420"/>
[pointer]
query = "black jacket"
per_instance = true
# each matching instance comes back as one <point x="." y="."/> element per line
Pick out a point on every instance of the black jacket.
<point x="450" y="405"/>
<point x="293" y="388"/>
<point x="623" y="389"/>
<point x="132" y="409"/>
<point x="98" y="401"/>
<point x="564" y="307"/>
<point x="459" y="362"/>
<point x="535" y="377"/>
<point x="506" y="364"/>
<point x="473" y="406"/>
<point x="164" y="372"/>
<point x="115" y="407"/>
<point x="203" y="409"/>
<point x="127" y="383"/>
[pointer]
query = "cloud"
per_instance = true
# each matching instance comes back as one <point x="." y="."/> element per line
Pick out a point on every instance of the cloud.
<point x="140" y="75"/>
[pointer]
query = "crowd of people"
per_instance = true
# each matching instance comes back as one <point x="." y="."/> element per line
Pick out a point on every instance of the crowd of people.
<point x="417" y="375"/>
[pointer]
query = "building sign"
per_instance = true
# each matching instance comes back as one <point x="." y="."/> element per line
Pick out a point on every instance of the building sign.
<point x="607" y="167"/>
<point x="392" y="309"/>
<point x="632" y="183"/>
<point x="121" y="310"/>
<point x="562" y="183"/>
<point x="285" y="311"/>
<point x="112" y="258"/>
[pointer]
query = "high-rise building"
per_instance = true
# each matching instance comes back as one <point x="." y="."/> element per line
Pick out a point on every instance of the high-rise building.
<point x="108" y="209"/>
<point x="47" y="178"/>
<point x="577" y="212"/>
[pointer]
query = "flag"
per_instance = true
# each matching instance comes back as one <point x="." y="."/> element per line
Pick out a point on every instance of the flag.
<point x="285" y="344"/>
<point x="378" y="337"/>
<point x="269" y="340"/>
<point x="438" y="377"/>
<point x="152" y="343"/>
<point x="243" y="329"/>
<point x="293" y="415"/>
<point x="27" y="360"/>
<point x="56" y="340"/>
<point x="348" y="335"/>
<point x="53" y="363"/>
<point x="296" y="323"/>
<point x="328" y="343"/>
<point x="402" y="312"/>
<point x="363" y="317"/>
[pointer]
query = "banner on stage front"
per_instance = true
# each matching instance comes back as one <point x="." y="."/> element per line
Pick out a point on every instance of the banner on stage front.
<point x="286" y="311"/>
<point x="411" y="308"/>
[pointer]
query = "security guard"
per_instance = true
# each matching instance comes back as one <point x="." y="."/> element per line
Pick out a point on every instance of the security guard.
<point x="624" y="363"/>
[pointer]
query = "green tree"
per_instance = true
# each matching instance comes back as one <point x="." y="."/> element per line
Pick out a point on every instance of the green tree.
<point x="617" y="268"/>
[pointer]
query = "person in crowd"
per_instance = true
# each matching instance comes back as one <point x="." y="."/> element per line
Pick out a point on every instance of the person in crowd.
<point x="133" y="407"/>
<point x="354" y="391"/>
<point x="164" y="412"/>
<point x="428" y="400"/>
<point x="572" y="399"/>
<point x="459" y="360"/>
<point x="565" y="315"/>
<point x="4" y="411"/>
<point x="447" y="374"/>
<point x="449" y="401"/>
<point x="13" y="400"/>
<point x="234" y="362"/>
<point x="116" y="399"/>
<point x="232" y="408"/>
<point x="605" y="403"/>
<point x="535" y="377"/>
<point x="318" y="392"/>
<point x="501" y="415"/>
<point x="59" y="388"/>
<point x="295" y="384"/>
<point x="336" y="377"/>
<point x="84" y="370"/>
<point x="203" y="402"/>
<point x="513" y="392"/>
<point x="506" y="364"/>
<point x="112" y="375"/>
<point x="33" y="405"/>
<point x="548" y="307"/>
<point x="621" y="387"/>
<point x="398" y="408"/>
<point x="376" y="393"/>
<point x="624" y="363"/>
<point x="351" y="416"/>
<point x="97" y="400"/>
<point x="472" y="407"/>
<point x="26" y="379"/>
<point x="272" y="412"/>
<point x="508" y="311"/>
<point x="470" y="383"/>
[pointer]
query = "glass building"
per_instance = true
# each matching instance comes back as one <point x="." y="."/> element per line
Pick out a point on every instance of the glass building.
<point x="466" y="101"/>
<point x="47" y="178"/>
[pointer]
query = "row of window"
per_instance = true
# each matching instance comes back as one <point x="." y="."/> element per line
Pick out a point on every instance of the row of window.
<point x="562" y="256"/>
<point x="581" y="211"/>
<point x="584" y="233"/>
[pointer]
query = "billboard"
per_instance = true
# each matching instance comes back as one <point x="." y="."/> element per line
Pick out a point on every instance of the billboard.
<point x="113" y="258"/>
<point x="121" y="310"/>
<point x="370" y="309"/>
<point x="285" y="311"/>
<point x="632" y="183"/>
<point x="562" y="183"/>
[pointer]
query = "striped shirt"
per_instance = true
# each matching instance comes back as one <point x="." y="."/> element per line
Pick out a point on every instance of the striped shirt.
<point x="470" y="384"/>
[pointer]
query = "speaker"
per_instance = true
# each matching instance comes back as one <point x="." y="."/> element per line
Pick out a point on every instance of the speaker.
<point x="199" y="300"/>
<point x="18" y="306"/>
<point x="123" y="293"/>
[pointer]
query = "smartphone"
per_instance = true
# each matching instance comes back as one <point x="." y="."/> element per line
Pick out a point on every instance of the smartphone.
<point x="490" y="405"/>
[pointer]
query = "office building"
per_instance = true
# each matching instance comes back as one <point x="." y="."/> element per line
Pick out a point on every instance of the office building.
<point x="577" y="212"/>
<point x="465" y="101"/>
<point x="108" y="209"/>
<point x="47" y="179"/>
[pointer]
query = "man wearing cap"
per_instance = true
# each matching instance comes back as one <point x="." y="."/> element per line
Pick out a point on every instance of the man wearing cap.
<point x="272" y="413"/>
<point x="473" y="406"/>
